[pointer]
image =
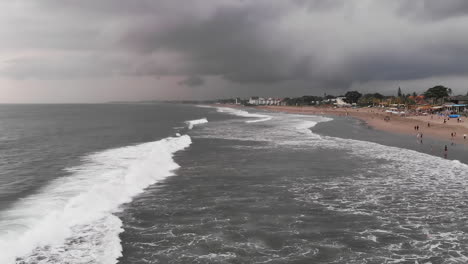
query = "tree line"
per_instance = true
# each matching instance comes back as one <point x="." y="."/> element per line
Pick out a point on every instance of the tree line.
<point x="436" y="94"/>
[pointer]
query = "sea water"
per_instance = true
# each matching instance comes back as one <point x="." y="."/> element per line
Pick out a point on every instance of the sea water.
<point x="202" y="184"/>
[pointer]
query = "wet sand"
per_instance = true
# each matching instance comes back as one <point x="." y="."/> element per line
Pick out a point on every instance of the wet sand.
<point x="375" y="117"/>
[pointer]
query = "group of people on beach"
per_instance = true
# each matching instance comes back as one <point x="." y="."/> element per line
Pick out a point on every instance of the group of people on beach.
<point x="420" y="137"/>
<point x="453" y="135"/>
<point x="459" y="120"/>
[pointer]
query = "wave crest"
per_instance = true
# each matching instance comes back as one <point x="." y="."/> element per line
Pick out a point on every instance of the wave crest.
<point x="72" y="220"/>
<point x="192" y="123"/>
<point x="242" y="113"/>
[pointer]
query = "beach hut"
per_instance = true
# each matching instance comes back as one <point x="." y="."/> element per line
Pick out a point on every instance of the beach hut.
<point x="455" y="108"/>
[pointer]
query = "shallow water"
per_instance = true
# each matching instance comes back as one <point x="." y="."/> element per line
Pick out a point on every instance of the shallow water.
<point x="274" y="192"/>
<point x="245" y="188"/>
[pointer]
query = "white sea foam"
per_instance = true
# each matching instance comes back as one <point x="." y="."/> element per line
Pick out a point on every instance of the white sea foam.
<point x="418" y="191"/>
<point x="287" y="129"/>
<point x="242" y="113"/>
<point x="204" y="106"/>
<point x="71" y="220"/>
<point x="238" y="112"/>
<point x="192" y="123"/>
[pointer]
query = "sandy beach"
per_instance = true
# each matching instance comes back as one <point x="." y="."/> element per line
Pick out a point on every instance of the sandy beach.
<point x="375" y="117"/>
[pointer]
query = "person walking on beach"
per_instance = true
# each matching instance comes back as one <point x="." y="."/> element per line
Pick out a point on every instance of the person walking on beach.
<point x="445" y="151"/>
<point x="428" y="124"/>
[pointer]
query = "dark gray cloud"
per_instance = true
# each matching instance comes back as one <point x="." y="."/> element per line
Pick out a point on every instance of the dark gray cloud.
<point x="431" y="10"/>
<point x="192" y="81"/>
<point x="329" y="44"/>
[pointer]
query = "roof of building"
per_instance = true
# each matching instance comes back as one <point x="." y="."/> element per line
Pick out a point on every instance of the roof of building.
<point x="459" y="97"/>
<point x="412" y="97"/>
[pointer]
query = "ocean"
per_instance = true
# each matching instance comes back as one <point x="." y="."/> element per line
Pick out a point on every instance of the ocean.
<point x="168" y="183"/>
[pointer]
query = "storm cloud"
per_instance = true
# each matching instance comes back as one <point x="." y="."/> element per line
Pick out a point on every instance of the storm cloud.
<point x="321" y="44"/>
<point x="193" y="81"/>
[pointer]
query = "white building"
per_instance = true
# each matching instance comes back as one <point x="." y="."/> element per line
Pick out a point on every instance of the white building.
<point x="255" y="100"/>
<point x="340" y="101"/>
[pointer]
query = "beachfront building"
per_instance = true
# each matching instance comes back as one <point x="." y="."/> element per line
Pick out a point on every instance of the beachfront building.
<point x="283" y="102"/>
<point x="455" y="108"/>
<point x="255" y="100"/>
<point x="461" y="99"/>
<point x="340" y="102"/>
<point x="458" y="104"/>
<point x="328" y="101"/>
<point x="419" y="99"/>
<point x="273" y="101"/>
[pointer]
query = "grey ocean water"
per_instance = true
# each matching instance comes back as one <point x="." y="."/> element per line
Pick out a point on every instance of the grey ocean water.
<point x="245" y="187"/>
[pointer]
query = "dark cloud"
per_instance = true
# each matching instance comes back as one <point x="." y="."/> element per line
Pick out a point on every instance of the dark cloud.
<point x="193" y="81"/>
<point x="320" y="5"/>
<point x="431" y="10"/>
<point x="329" y="44"/>
<point x="230" y="42"/>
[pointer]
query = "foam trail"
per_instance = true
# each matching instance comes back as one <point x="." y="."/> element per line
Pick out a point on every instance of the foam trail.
<point x="192" y="123"/>
<point x="243" y="113"/>
<point x="259" y="120"/>
<point x="72" y="220"/>
<point x="204" y="106"/>
<point x="305" y="126"/>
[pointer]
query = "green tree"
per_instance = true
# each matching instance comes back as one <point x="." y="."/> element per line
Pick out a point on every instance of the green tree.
<point x="370" y="99"/>
<point x="378" y="96"/>
<point x="352" y="96"/>
<point x="438" y="92"/>
<point x="366" y="99"/>
<point x="409" y="101"/>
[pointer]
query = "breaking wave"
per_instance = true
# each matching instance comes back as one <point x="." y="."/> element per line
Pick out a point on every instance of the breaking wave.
<point x="72" y="220"/>
<point x="192" y="123"/>
<point x="242" y="113"/>
<point x="413" y="201"/>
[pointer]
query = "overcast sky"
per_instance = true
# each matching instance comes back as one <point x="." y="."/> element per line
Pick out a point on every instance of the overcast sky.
<point x="102" y="50"/>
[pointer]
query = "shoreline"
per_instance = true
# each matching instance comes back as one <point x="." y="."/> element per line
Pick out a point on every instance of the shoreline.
<point x="374" y="117"/>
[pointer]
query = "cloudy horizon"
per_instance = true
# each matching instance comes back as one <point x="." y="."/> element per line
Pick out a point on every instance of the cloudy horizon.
<point x="56" y="51"/>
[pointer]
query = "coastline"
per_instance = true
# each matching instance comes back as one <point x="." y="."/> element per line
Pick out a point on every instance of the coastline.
<point x="374" y="117"/>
